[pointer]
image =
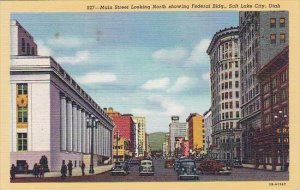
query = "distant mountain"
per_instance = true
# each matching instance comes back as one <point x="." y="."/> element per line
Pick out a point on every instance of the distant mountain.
<point x="156" y="140"/>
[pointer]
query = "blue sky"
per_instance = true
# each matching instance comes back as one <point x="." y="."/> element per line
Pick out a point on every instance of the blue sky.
<point x="151" y="64"/>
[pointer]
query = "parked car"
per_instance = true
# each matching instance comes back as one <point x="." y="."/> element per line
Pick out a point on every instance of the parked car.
<point x="169" y="163"/>
<point x="176" y="164"/>
<point x="237" y="164"/>
<point x="120" y="168"/>
<point x="213" y="167"/>
<point x="133" y="162"/>
<point x="146" y="167"/>
<point x="187" y="169"/>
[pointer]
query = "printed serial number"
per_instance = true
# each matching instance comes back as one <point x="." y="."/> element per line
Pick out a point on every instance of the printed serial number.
<point x="277" y="184"/>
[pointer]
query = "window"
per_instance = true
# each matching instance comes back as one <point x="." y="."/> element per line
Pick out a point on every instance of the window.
<point x="273" y="38"/>
<point x="282" y="22"/>
<point x="236" y="74"/>
<point x="272" y="22"/>
<point x="237" y="104"/>
<point x="282" y="38"/>
<point x="237" y="114"/>
<point x="28" y="49"/>
<point x="237" y="94"/>
<point x="22" y="141"/>
<point x="22" y="89"/>
<point x="32" y="51"/>
<point x="22" y="115"/>
<point x="23" y="45"/>
<point x="236" y="84"/>
<point x="236" y="64"/>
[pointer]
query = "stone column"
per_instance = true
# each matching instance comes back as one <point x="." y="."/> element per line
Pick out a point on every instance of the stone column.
<point x="88" y="138"/>
<point x="74" y="132"/>
<point x="83" y="130"/>
<point x="63" y="123"/>
<point x="79" y="127"/>
<point x="69" y="125"/>
<point x="102" y="140"/>
<point x="96" y="139"/>
<point x="105" y="142"/>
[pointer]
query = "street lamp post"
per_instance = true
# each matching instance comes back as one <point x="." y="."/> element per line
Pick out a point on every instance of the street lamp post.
<point x="117" y="134"/>
<point x="208" y="148"/>
<point x="92" y="123"/>
<point x="282" y="118"/>
<point x="230" y="132"/>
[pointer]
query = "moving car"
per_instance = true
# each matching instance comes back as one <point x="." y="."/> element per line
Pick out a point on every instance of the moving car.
<point x="213" y="167"/>
<point x="120" y="168"/>
<point x="187" y="170"/>
<point x="146" y="167"/>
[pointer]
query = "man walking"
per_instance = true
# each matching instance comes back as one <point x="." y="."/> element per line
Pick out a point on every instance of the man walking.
<point x="70" y="167"/>
<point x="12" y="172"/>
<point x="63" y="170"/>
<point x="82" y="168"/>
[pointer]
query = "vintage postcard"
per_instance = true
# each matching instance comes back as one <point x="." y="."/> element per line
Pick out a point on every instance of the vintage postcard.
<point x="149" y="95"/>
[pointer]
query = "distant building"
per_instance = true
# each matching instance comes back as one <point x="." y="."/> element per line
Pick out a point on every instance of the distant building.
<point x="196" y="132"/>
<point x="140" y="123"/>
<point x="49" y="111"/>
<point x="176" y="129"/>
<point x="120" y="149"/>
<point x="208" y="130"/>
<point x="167" y="143"/>
<point x="125" y="127"/>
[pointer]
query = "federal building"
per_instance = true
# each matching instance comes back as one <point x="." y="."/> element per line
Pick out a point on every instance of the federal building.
<point x="49" y="111"/>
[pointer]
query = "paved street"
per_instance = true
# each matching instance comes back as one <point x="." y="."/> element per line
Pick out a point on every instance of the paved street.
<point x="168" y="175"/>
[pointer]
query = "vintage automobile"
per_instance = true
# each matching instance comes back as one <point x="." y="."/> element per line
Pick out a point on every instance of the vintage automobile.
<point x="176" y="164"/>
<point x="237" y="164"/>
<point x="187" y="169"/>
<point x="146" y="167"/>
<point x="120" y="168"/>
<point x="169" y="163"/>
<point x="133" y="162"/>
<point x="213" y="167"/>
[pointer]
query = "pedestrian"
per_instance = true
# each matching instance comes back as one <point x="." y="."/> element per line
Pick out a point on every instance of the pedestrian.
<point x="70" y="167"/>
<point x="12" y="172"/>
<point x="63" y="170"/>
<point x="36" y="171"/>
<point x="82" y="168"/>
<point x="42" y="171"/>
<point x="26" y="168"/>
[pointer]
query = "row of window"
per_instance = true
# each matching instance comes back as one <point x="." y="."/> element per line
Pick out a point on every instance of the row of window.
<point x="282" y="22"/>
<point x="26" y="48"/>
<point x="229" y="115"/>
<point x="22" y="141"/>
<point x="228" y="85"/>
<point x="225" y="76"/>
<point x="250" y="94"/>
<point x="275" y="98"/>
<point x="247" y="110"/>
<point x="228" y="95"/>
<point x="229" y="65"/>
<point x="282" y="38"/>
<point x="229" y="105"/>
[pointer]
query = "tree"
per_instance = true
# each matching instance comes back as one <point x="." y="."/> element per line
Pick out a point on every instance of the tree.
<point x="44" y="163"/>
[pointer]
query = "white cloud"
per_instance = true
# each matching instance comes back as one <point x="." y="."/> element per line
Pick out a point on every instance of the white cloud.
<point x="182" y="83"/>
<point x="79" y="58"/>
<point x="175" y="55"/>
<point x="156" y="84"/>
<point x="206" y="76"/>
<point x="66" y="41"/>
<point x="198" y="54"/>
<point x="43" y="50"/>
<point x="97" y="78"/>
<point x="168" y="106"/>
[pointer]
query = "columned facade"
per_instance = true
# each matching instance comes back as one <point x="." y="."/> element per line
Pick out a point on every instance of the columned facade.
<point x="52" y="111"/>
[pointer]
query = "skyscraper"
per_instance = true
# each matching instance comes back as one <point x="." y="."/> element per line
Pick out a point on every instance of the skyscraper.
<point x="225" y="93"/>
<point x="176" y="129"/>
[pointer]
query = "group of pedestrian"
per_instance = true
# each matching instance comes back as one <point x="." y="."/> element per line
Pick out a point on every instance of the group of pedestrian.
<point x="68" y="168"/>
<point x="38" y="171"/>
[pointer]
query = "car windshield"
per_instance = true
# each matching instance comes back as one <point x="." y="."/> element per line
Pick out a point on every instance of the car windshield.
<point x="187" y="163"/>
<point x="146" y="163"/>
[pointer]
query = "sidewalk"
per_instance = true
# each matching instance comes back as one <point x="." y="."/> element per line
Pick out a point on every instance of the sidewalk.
<point x="75" y="172"/>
